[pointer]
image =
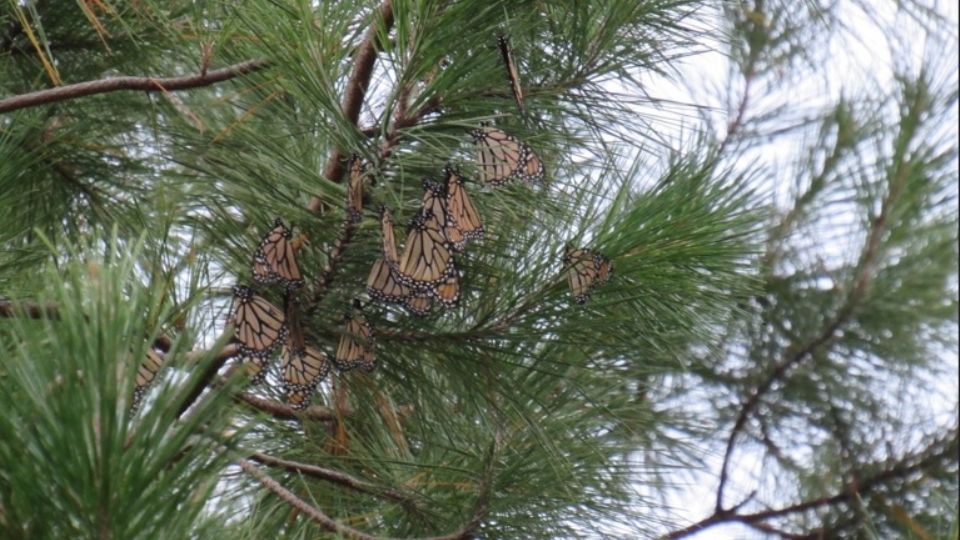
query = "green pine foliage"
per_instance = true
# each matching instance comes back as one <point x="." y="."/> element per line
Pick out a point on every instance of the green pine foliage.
<point x="796" y="314"/>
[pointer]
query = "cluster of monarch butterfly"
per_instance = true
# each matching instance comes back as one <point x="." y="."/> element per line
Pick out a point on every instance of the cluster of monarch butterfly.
<point x="422" y="273"/>
<point x="426" y="271"/>
<point x="261" y="327"/>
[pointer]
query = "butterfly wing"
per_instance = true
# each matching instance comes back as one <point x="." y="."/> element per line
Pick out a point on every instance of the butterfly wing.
<point x="463" y="215"/>
<point x="275" y="260"/>
<point x="146" y="373"/>
<point x="427" y="259"/>
<point x="581" y="273"/>
<point x="382" y="286"/>
<point x="355" y="349"/>
<point x="503" y="157"/>
<point x="418" y="304"/>
<point x="259" y="325"/>
<point x="302" y="368"/>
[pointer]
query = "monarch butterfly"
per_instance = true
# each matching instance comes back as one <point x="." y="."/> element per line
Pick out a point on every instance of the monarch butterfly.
<point x="355" y="190"/>
<point x="355" y="349"/>
<point x="435" y="201"/>
<point x="303" y="368"/>
<point x="585" y="271"/>
<point x="427" y="259"/>
<point x="462" y="214"/>
<point x="259" y="325"/>
<point x="146" y="373"/>
<point x="513" y="75"/>
<point x="274" y="261"/>
<point x="503" y="157"/>
<point x="381" y="283"/>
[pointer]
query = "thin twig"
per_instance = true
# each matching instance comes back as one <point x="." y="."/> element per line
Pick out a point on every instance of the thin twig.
<point x="308" y="510"/>
<point x="113" y="84"/>
<point x="335" y="477"/>
<point x="329" y="523"/>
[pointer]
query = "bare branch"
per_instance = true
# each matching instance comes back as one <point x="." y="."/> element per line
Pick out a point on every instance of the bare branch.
<point x="313" y="513"/>
<point x="113" y="84"/>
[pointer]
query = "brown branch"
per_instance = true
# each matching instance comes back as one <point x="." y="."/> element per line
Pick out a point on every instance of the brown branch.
<point x="861" y="285"/>
<point x="51" y="311"/>
<point x="113" y="84"/>
<point x="356" y="90"/>
<point x="313" y="513"/>
<point x="209" y="375"/>
<point x="333" y="261"/>
<point x="905" y="467"/>
<point x="31" y="310"/>
<point x="331" y="524"/>
<point x="335" y="477"/>
<point x="282" y="411"/>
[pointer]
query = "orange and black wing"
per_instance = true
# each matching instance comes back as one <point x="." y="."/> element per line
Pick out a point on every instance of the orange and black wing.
<point x="259" y="326"/>
<point x="604" y="268"/>
<point x="581" y="273"/>
<point x="502" y="158"/>
<point x="275" y="260"/>
<point x="382" y="286"/>
<point x="355" y="349"/>
<point x="448" y="292"/>
<point x="419" y="303"/>
<point x="381" y="283"/>
<point x="146" y="373"/>
<point x="427" y="258"/>
<point x="302" y="369"/>
<point x="435" y="202"/>
<point x="463" y="216"/>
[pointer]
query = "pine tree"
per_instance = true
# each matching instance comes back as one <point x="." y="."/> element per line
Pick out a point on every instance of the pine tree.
<point x="780" y="326"/>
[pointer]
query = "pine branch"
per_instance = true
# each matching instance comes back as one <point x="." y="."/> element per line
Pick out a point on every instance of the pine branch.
<point x="331" y="524"/>
<point x="861" y="284"/>
<point x="336" y="477"/>
<point x="146" y="84"/>
<point x="282" y="411"/>
<point x="903" y="468"/>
